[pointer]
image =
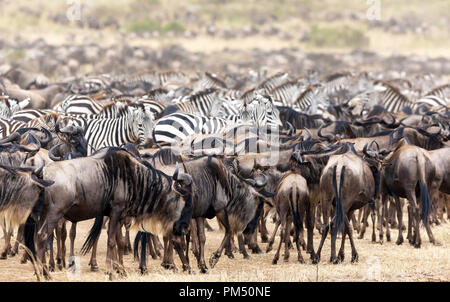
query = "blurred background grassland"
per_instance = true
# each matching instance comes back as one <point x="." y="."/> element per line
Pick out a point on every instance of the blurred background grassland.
<point x="406" y="26"/>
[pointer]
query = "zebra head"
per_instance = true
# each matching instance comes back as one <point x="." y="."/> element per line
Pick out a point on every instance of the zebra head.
<point x="143" y="122"/>
<point x="263" y="111"/>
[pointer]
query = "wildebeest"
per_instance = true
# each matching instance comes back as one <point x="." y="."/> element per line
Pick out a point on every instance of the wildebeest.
<point x="113" y="183"/>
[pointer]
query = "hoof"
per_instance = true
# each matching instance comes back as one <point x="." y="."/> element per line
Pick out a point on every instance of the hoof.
<point x="399" y="241"/>
<point x="417" y="245"/>
<point x="204" y="269"/>
<point x="213" y="260"/>
<point x="274" y="261"/>
<point x="264" y="239"/>
<point x="230" y="255"/>
<point x="335" y="261"/>
<point x="374" y="238"/>
<point x="315" y="259"/>
<point x="3" y="256"/>
<point x="388" y="238"/>
<point x="247" y="257"/>
<point x="301" y="260"/>
<point x="341" y="257"/>
<point x="355" y="258"/>
<point x="143" y="271"/>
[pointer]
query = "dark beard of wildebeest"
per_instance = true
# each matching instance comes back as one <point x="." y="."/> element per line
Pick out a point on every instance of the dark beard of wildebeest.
<point x="348" y="183"/>
<point x="216" y="192"/>
<point x="409" y="172"/>
<point x="114" y="183"/>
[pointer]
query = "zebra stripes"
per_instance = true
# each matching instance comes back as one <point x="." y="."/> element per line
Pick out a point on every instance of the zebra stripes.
<point x="174" y="128"/>
<point x="134" y="126"/>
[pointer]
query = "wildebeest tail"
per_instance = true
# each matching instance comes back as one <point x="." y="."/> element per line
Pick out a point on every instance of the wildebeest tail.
<point x="142" y="238"/>
<point x="251" y="226"/>
<point x="340" y="215"/>
<point x="30" y="224"/>
<point x="294" y="202"/>
<point x="28" y="233"/>
<point x="424" y="194"/>
<point x="94" y="233"/>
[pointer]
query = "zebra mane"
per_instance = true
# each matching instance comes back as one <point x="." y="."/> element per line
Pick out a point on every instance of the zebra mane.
<point x="438" y="89"/>
<point x="393" y="89"/>
<point x="215" y="80"/>
<point x="334" y="76"/>
<point x="273" y="81"/>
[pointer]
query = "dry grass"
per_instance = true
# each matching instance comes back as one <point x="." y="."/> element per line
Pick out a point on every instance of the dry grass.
<point x="387" y="262"/>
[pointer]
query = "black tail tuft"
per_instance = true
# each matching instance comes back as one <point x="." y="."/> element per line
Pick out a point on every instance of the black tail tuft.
<point x="340" y="215"/>
<point x="94" y="233"/>
<point x="28" y="233"/>
<point x="298" y="223"/>
<point x="425" y="198"/>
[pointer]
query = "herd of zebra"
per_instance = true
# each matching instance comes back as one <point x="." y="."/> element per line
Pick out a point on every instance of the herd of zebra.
<point x="310" y="149"/>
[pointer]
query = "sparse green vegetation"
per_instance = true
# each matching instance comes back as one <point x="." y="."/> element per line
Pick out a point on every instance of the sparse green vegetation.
<point x="16" y="54"/>
<point x="144" y="25"/>
<point x="174" y="26"/>
<point x="341" y="36"/>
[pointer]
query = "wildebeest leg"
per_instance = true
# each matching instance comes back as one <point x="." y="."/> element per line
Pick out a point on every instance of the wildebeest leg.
<point x="207" y="226"/>
<point x="282" y="238"/>
<point x="384" y="217"/>
<point x="201" y="245"/>
<point x="113" y="228"/>
<point x="409" y="235"/>
<point x="287" y="238"/>
<point x="223" y="219"/>
<point x="355" y="223"/>
<point x="194" y="239"/>
<point x="19" y="239"/>
<point x="157" y="244"/>
<point x="72" y="235"/>
<point x="61" y="234"/>
<point x="352" y="243"/>
<point x="415" y="215"/>
<point x="400" y="220"/>
<point x="316" y="257"/>
<point x="6" y="250"/>
<point x="127" y="248"/>
<point x="310" y="217"/>
<point x="341" y="256"/>
<point x="49" y="244"/>
<point x="263" y="228"/>
<point x="120" y="251"/>
<point x="178" y="245"/>
<point x="242" y="248"/>
<point x="373" y="216"/>
<point x="334" y="233"/>
<point x="360" y="213"/>
<point x="150" y="245"/>
<point x="272" y="238"/>
<point x="93" y="261"/>
<point x="366" y="212"/>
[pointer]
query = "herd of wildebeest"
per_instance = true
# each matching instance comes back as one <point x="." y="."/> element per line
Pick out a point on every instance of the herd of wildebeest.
<point x="163" y="151"/>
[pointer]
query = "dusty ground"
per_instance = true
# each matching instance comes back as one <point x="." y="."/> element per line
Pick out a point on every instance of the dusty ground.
<point x="387" y="262"/>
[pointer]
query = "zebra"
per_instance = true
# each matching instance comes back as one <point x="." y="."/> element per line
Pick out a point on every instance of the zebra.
<point x="90" y="84"/>
<point x="311" y="100"/>
<point x="273" y="81"/>
<point x="199" y="103"/>
<point x="286" y="93"/>
<point x="210" y="80"/>
<point x="134" y="126"/>
<point x="175" y="127"/>
<point x="10" y="106"/>
<point x="79" y="104"/>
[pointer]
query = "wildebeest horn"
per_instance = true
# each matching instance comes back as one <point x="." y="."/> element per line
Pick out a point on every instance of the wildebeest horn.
<point x="52" y="155"/>
<point x="68" y="130"/>
<point x="185" y="178"/>
<point x="262" y="183"/>
<point x="47" y="138"/>
<point x="327" y="136"/>
<point x="31" y="140"/>
<point x="291" y="129"/>
<point x="38" y="171"/>
<point x="58" y="121"/>
<point x="175" y="174"/>
<point x="10" y="138"/>
<point x="309" y="135"/>
<point x="387" y="122"/>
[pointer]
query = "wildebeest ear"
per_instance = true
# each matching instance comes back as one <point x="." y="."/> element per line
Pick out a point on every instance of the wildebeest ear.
<point x="41" y="182"/>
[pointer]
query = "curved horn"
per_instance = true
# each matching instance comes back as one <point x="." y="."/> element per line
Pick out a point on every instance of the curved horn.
<point x="52" y="155"/>
<point x="38" y="171"/>
<point x="263" y="182"/>
<point x="365" y="149"/>
<point x="48" y="136"/>
<point x="291" y="129"/>
<point x="31" y="140"/>
<point x="175" y="174"/>
<point x="309" y="135"/>
<point x="57" y="124"/>
<point x="10" y="138"/>
<point x="327" y="136"/>
<point x="185" y="178"/>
